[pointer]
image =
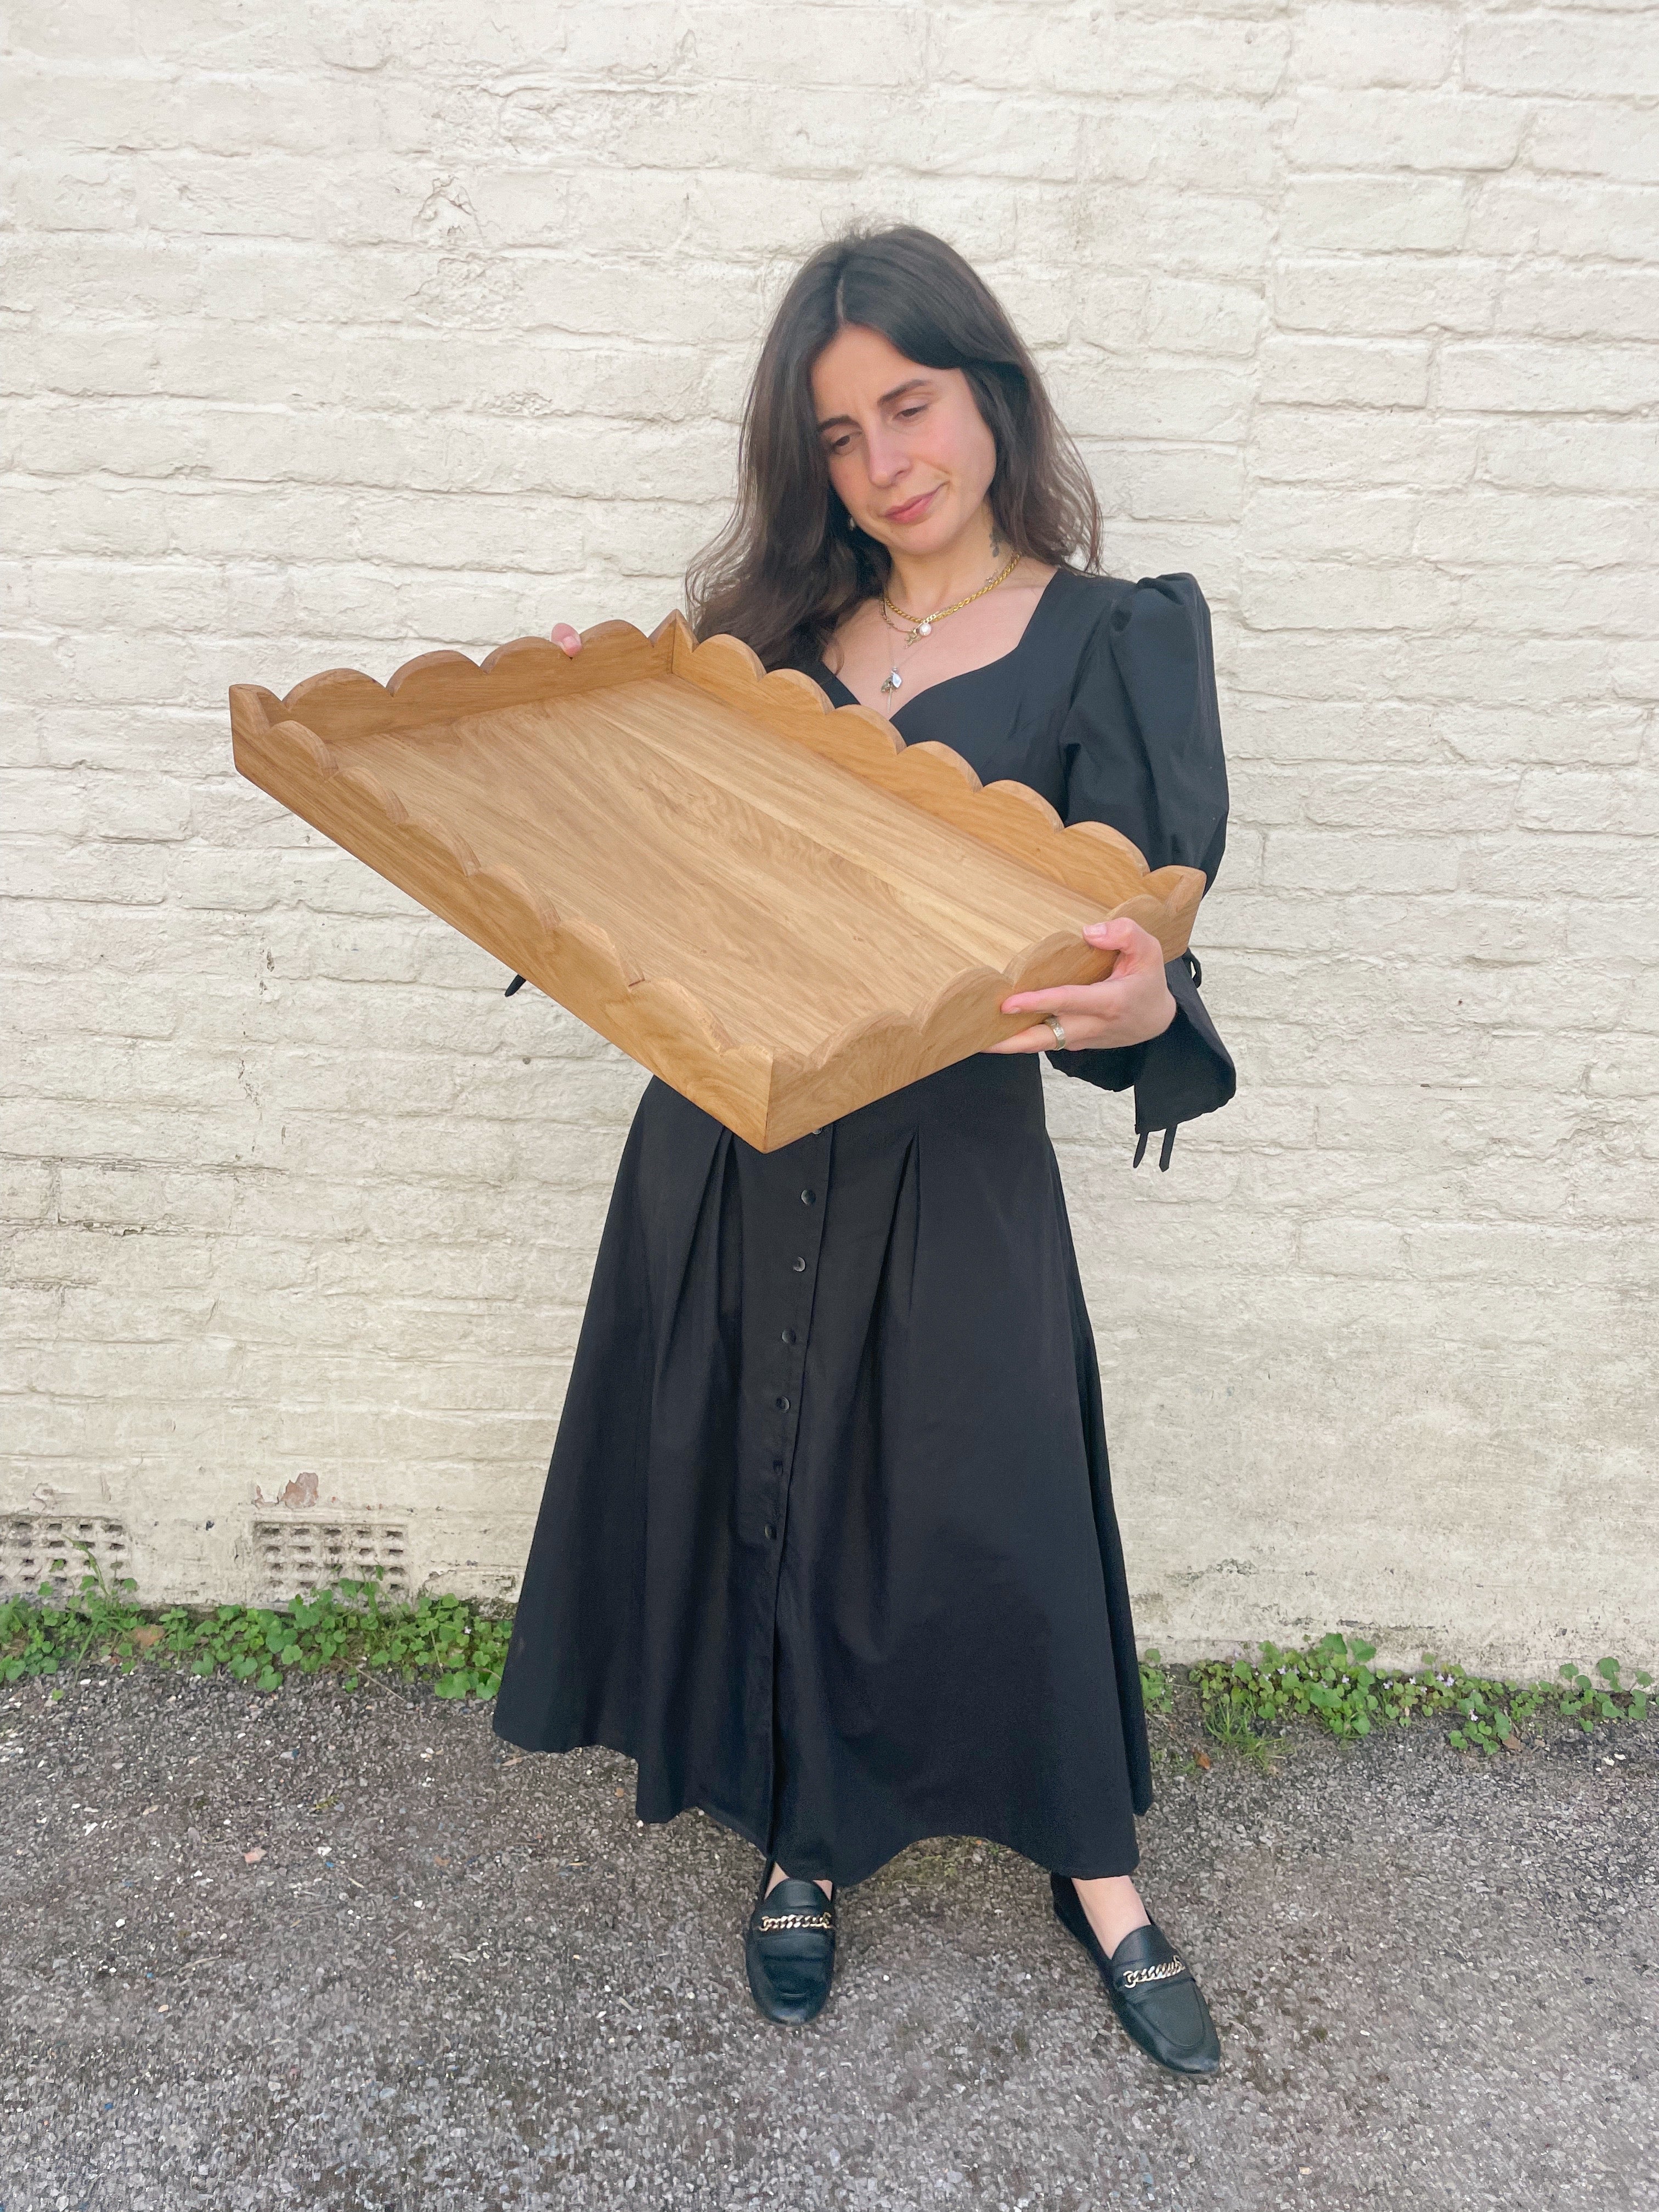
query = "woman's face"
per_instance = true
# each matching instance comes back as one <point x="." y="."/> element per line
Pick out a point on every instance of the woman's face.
<point x="908" y="450"/>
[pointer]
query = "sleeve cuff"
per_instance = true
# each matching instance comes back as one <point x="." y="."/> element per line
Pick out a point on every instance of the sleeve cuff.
<point x="1186" y="1072"/>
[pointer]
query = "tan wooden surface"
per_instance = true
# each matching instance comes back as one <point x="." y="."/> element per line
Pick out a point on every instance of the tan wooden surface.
<point x="778" y="908"/>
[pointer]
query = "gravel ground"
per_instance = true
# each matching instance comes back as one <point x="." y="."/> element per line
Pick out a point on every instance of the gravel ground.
<point x="317" y="1950"/>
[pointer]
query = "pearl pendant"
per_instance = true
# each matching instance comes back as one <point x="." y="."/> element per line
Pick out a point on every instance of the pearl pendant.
<point x="924" y="629"/>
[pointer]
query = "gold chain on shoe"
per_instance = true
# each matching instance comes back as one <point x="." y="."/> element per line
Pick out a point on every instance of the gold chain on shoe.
<point x="1166" y="1972"/>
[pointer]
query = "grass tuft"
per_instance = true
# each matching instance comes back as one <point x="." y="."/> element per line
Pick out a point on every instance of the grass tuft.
<point x="1333" y="1684"/>
<point x="349" y="1633"/>
<point x="345" y="1631"/>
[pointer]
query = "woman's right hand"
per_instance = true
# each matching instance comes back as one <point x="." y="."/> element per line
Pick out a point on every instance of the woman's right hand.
<point x="569" y="639"/>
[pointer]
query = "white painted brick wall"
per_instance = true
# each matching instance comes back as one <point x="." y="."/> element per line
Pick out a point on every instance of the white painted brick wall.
<point x="337" y="332"/>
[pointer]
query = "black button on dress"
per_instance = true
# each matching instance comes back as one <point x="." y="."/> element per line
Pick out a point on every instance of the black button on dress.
<point x="827" y="1544"/>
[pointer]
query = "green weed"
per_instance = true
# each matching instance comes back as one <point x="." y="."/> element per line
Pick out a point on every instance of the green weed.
<point x="347" y="1630"/>
<point x="1333" y="1684"/>
<point x="1157" y="1693"/>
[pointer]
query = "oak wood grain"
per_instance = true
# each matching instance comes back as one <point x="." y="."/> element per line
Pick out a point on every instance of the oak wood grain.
<point x="773" y="904"/>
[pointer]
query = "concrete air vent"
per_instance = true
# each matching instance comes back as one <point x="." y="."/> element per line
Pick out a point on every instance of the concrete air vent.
<point x="36" y="1548"/>
<point x="307" y="1551"/>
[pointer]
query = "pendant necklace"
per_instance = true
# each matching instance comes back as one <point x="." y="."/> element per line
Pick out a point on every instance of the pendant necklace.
<point x="922" y="625"/>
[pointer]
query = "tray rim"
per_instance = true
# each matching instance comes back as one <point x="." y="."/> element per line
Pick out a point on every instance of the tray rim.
<point x="279" y="747"/>
<point x="1006" y="813"/>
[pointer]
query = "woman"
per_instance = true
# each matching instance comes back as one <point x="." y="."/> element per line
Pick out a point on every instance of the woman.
<point x="827" y="1544"/>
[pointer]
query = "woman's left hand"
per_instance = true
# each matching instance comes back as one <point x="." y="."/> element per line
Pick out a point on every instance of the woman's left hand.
<point x="1131" y="1004"/>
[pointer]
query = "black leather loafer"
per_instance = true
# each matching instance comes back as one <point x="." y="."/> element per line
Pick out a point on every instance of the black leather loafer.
<point x="1152" y="1991"/>
<point x="790" y="1950"/>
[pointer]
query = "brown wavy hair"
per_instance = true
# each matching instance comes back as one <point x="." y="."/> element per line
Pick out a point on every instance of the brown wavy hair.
<point x="786" y="568"/>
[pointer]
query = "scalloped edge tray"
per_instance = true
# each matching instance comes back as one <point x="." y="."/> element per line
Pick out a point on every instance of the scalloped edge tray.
<point x="298" y="749"/>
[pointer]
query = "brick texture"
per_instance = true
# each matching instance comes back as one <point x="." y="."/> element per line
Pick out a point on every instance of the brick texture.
<point x="335" y="334"/>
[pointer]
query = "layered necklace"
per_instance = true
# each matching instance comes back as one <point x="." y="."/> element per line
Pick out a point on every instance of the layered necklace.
<point x="908" y="628"/>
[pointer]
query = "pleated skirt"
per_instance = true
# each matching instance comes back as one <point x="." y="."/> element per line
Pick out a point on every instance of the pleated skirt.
<point x="827" y="1544"/>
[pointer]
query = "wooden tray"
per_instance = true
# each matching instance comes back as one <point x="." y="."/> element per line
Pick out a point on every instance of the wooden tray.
<point x="777" y="906"/>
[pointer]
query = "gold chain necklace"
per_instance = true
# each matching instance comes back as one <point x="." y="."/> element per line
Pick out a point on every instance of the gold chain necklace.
<point x="922" y="625"/>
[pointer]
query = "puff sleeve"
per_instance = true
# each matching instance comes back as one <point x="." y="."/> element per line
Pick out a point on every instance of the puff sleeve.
<point x="1141" y="748"/>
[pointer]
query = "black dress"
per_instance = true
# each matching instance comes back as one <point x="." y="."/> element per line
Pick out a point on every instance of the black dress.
<point x="827" y="1544"/>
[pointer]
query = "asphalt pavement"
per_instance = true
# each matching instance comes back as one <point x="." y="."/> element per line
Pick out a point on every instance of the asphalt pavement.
<point x="352" y="1951"/>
